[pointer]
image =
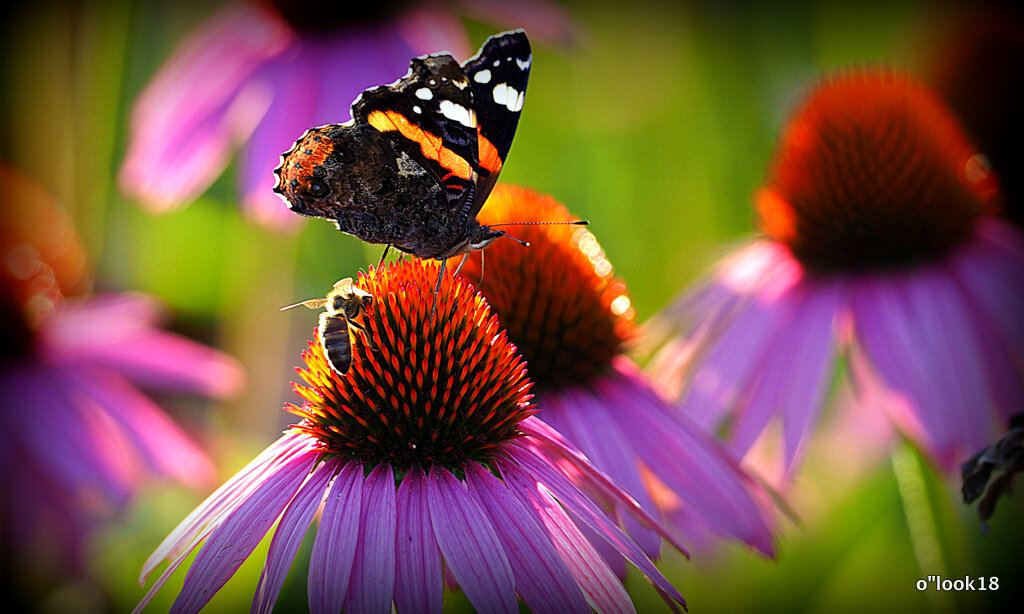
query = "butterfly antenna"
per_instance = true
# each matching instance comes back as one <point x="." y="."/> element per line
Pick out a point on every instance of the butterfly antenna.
<point x="575" y="223"/>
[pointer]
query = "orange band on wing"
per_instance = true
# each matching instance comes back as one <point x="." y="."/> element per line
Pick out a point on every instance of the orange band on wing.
<point x="431" y="145"/>
<point x="488" y="153"/>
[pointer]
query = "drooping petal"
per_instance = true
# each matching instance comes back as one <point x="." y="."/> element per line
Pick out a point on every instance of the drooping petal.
<point x="712" y="487"/>
<point x="118" y="331"/>
<point x="600" y="584"/>
<point x="334" y="549"/>
<point x="372" y="585"/>
<point x="239" y="532"/>
<point x="418" y="578"/>
<point x="583" y="508"/>
<point x="164" y="446"/>
<point x="582" y="417"/>
<point x="912" y="331"/>
<point x="806" y="347"/>
<point x="225" y="500"/>
<point x="725" y="373"/>
<point x="288" y="537"/>
<point x="470" y="545"/>
<point x="541" y="577"/>
<point x="185" y="121"/>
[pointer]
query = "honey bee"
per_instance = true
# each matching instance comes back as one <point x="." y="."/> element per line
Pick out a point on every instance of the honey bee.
<point x="345" y="302"/>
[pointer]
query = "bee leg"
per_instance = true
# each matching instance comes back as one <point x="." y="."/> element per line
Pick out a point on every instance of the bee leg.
<point x="366" y="333"/>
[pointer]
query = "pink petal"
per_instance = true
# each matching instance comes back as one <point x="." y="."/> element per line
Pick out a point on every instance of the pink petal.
<point x="470" y="545"/>
<point x="184" y="122"/>
<point x="913" y="331"/>
<point x="164" y="446"/>
<point x="601" y="585"/>
<point x="372" y="586"/>
<point x="226" y="499"/>
<point x="688" y="461"/>
<point x="541" y="577"/>
<point x="429" y="30"/>
<point x="238" y="534"/>
<point x="584" y="509"/>
<point x="600" y="438"/>
<point x="418" y="578"/>
<point x="546" y="21"/>
<point x="288" y="537"/>
<point x="795" y="374"/>
<point x="334" y="549"/>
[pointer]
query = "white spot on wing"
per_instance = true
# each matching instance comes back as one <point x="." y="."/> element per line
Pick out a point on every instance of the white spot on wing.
<point x="461" y="84"/>
<point x="458" y="113"/>
<point x="496" y="63"/>
<point x="416" y="108"/>
<point x="484" y="76"/>
<point x="508" y="97"/>
<point x="424" y="94"/>
<point x="524" y="64"/>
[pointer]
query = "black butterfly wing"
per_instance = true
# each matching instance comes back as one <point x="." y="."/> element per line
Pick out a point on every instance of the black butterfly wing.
<point x="498" y="76"/>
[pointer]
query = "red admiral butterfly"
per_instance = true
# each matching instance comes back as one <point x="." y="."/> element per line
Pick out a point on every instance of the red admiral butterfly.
<point x="420" y="156"/>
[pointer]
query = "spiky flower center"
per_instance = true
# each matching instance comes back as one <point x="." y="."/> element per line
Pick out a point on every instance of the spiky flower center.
<point x="872" y="173"/>
<point x="421" y="391"/>
<point x="558" y="298"/>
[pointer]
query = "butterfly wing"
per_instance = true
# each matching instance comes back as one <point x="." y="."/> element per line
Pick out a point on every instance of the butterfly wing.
<point x="498" y="76"/>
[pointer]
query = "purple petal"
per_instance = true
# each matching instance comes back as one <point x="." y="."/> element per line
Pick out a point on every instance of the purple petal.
<point x="225" y="499"/>
<point x="165" y="447"/>
<point x="184" y="122"/>
<point x="991" y="272"/>
<point x="470" y="545"/>
<point x="909" y="328"/>
<point x="334" y="549"/>
<point x="238" y="534"/>
<point x="733" y="356"/>
<point x="288" y="537"/>
<point x="687" y="460"/>
<point x="69" y="438"/>
<point x="581" y="507"/>
<point x="795" y="374"/>
<point x="430" y="30"/>
<point x="541" y="577"/>
<point x="600" y="438"/>
<point x="601" y="585"/>
<point x="117" y="331"/>
<point x="372" y="586"/>
<point x="418" y="579"/>
<point x="545" y="443"/>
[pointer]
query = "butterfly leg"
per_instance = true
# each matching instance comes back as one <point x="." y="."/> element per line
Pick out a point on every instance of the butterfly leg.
<point x="366" y="333"/>
<point x="461" y="262"/>
<point x="384" y="255"/>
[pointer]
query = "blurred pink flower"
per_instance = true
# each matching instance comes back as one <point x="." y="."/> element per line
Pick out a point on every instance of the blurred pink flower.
<point x="423" y="468"/>
<point x="882" y="249"/>
<point x="79" y="437"/>
<point x="256" y="76"/>
<point x="572" y="319"/>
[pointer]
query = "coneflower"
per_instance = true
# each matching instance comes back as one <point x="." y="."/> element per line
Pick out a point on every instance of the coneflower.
<point x="880" y="246"/>
<point x="572" y="319"/>
<point x="425" y="458"/>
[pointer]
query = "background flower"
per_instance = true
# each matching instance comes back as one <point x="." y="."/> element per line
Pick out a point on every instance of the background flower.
<point x="260" y="74"/>
<point x="572" y="319"/>
<point x="440" y="406"/>
<point x="80" y="440"/>
<point x="881" y="247"/>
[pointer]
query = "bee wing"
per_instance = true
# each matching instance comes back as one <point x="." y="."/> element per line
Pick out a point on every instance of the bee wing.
<point x="313" y="303"/>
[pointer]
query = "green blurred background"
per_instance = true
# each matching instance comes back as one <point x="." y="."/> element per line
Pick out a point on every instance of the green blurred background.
<point x="657" y="126"/>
